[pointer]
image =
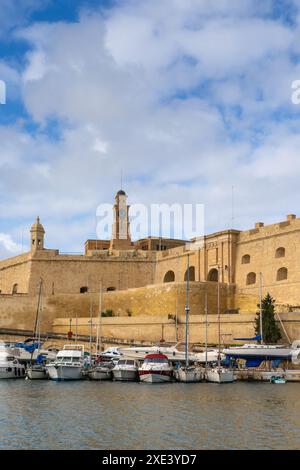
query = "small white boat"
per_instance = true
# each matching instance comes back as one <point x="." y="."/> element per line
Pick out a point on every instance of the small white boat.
<point x="275" y="379"/>
<point x="219" y="375"/>
<point x="189" y="374"/>
<point x="126" y="370"/>
<point x="113" y="354"/>
<point x="37" y="372"/>
<point x="68" y="364"/>
<point x="101" y="371"/>
<point x="156" y="368"/>
<point x="10" y="367"/>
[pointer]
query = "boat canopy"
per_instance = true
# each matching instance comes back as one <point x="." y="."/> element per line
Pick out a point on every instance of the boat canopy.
<point x="156" y="356"/>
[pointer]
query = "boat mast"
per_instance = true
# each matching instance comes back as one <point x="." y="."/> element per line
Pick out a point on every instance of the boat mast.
<point x="206" y="332"/>
<point x="36" y="335"/>
<point x="187" y="309"/>
<point x="98" y="339"/>
<point x="219" y="322"/>
<point x="260" y="309"/>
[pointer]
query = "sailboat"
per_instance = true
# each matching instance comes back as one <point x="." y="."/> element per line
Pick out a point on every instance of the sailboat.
<point x="101" y="369"/>
<point x="188" y="373"/>
<point x="219" y="374"/>
<point x="37" y="370"/>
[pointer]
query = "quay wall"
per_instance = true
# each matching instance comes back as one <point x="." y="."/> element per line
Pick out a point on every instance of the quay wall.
<point x="146" y="313"/>
<point x="153" y="329"/>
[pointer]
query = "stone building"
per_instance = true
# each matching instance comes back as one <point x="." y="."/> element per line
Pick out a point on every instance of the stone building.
<point x="239" y="259"/>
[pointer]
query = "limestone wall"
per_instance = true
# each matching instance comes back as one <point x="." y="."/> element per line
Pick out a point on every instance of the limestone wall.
<point x="67" y="274"/>
<point x="261" y="244"/>
<point x="15" y="271"/>
<point x="145" y="328"/>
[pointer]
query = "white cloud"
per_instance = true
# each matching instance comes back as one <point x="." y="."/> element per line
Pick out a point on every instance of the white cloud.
<point x="8" y="246"/>
<point x="184" y="99"/>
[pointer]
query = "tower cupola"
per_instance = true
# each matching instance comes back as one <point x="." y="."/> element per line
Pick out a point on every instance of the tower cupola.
<point x="37" y="235"/>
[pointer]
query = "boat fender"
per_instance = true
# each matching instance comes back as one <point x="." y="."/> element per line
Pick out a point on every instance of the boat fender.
<point x="296" y="357"/>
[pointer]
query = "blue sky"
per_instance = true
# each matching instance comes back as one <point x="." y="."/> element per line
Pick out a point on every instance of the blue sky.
<point x="187" y="97"/>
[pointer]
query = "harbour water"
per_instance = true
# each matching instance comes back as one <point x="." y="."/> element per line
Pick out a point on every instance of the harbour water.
<point x="93" y="415"/>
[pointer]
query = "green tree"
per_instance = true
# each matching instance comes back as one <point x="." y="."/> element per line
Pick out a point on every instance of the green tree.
<point x="271" y="331"/>
<point x="107" y="313"/>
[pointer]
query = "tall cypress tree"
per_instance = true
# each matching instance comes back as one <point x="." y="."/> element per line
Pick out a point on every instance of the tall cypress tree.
<point x="271" y="331"/>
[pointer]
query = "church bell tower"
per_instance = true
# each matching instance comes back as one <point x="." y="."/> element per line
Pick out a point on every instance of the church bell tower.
<point x="120" y="230"/>
<point x="37" y="234"/>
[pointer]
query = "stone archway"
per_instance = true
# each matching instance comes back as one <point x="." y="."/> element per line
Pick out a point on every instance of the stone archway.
<point x="213" y="275"/>
<point x="169" y="276"/>
<point x="191" y="273"/>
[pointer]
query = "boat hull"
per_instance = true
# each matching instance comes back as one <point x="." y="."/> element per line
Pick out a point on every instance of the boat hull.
<point x="222" y="376"/>
<point x="188" y="375"/>
<point x="155" y="376"/>
<point x="125" y="375"/>
<point x="37" y="374"/>
<point x="61" y="373"/>
<point x="12" y="372"/>
<point x="100" y="375"/>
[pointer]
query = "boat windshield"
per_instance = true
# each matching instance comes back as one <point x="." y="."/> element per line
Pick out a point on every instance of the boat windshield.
<point x="156" y="360"/>
<point x="68" y="359"/>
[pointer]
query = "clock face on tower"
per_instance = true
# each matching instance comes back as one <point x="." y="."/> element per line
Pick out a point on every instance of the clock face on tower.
<point x="122" y="213"/>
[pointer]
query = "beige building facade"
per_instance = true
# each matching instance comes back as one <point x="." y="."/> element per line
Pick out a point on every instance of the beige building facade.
<point x="239" y="259"/>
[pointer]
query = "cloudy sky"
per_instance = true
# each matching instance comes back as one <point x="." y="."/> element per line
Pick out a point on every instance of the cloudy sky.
<point x="189" y="97"/>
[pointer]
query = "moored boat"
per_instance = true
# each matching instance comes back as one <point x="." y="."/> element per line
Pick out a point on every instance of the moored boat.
<point x="219" y="375"/>
<point x="68" y="364"/>
<point x="101" y="371"/>
<point x="10" y="367"/>
<point x="37" y="372"/>
<point x="275" y="379"/>
<point x="126" y="370"/>
<point x="156" y="368"/>
<point x="189" y="374"/>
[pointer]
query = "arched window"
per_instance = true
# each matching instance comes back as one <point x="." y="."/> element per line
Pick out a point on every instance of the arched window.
<point x="246" y="259"/>
<point x="169" y="276"/>
<point x="280" y="252"/>
<point x="15" y="289"/>
<point x="110" y="289"/>
<point x="282" y="274"/>
<point x="213" y="275"/>
<point x="251" y="278"/>
<point x="83" y="289"/>
<point x="191" y="272"/>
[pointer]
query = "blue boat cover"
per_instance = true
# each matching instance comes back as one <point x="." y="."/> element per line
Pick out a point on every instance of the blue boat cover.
<point x="28" y="347"/>
<point x="254" y="362"/>
<point x="255" y="338"/>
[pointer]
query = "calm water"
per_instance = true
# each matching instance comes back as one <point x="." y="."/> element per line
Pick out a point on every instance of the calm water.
<point x="93" y="415"/>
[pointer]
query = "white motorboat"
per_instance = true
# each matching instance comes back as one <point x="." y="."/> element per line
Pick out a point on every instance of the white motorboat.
<point x="101" y="371"/>
<point x="219" y="375"/>
<point x="156" y="368"/>
<point x="68" y="364"/>
<point x="172" y="351"/>
<point x="10" y="367"/>
<point x="126" y="370"/>
<point x="113" y="354"/>
<point x="189" y="374"/>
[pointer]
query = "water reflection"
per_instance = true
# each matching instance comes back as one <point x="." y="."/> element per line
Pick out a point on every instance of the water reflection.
<point x="91" y="415"/>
